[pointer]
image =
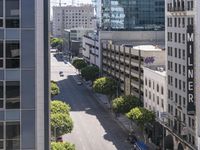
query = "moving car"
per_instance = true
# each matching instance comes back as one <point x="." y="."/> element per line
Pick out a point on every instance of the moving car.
<point x="79" y="83"/>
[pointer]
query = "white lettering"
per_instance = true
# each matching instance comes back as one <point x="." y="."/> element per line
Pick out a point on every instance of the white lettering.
<point x="190" y="37"/>
<point x="190" y="73"/>
<point x="189" y="62"/>
<point x="190" y="49"/>
<point x="190" y="86"/>
<point x="191" y="98"/>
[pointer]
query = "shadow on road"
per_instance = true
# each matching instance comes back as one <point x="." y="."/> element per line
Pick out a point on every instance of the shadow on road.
<point x="81" y="99"/>
<point x="58" y="57"/>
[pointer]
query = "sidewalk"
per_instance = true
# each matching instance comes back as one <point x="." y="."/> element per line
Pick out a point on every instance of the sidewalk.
<point x="122" y="120"/>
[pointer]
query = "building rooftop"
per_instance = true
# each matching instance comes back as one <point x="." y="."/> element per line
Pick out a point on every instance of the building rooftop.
<point x="140" y="45"/>
<point x="160" y="69"/>
<point x="148" y="48"/>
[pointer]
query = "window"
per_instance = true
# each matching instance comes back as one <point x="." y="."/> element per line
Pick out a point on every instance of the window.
<point x="12" y="95"/>
<point x="12" y="13"/>
<point x="183" y="52"/>
<point x="1" y="13"/>
<point x="179" y="53"/>
<point x="162" y="90"/>
<point x="175" y="52"/>
<point x="157" y="100"/>
<point x="12" y="135"/>
<point x="179" y="68"/>
<point x="1" y="135"/>
<point x="157" y="88"/>
<point x="1" y="54"/>
<point x="1" y="94"/>
<point x="150" y="83"/>
<point x="12" y="54"/>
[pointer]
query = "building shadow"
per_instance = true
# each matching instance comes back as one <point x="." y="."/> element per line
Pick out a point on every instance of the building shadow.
<point x="82" y="99"/>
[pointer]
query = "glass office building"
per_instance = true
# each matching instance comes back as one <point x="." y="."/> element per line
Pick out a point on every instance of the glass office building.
<point x="130" y="14"/>
<point x="24" y="77"/>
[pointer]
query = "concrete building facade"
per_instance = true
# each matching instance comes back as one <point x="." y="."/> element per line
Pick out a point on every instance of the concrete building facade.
<point x="24" y="75"/>
<point x="155" y="99"/>
<point x="182" y="44"/>
<point x="90" y="49"/>
<point x="125" y="64"/>
<point x="72" y="17"/>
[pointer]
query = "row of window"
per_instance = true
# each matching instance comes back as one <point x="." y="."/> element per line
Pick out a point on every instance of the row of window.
<point x="178" y="53"/>
<point x="179" y="100"/>
<point x="178" y="68"/>
<point x="9" y="94"/>
<point x="180" y="5"/>
<point x="10" y="135"/>
<point x="10" y="52"/>
<point x="177" y="113"/>
<point x="178" y="37"/>
<point x="179" y="84"/>
<point x="159" y="100"/>
<point x="11" y="16"/>
<point x="179" y="22"/>
<point x="158" y="88"/>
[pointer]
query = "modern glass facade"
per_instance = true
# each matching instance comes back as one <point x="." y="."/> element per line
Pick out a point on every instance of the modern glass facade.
<point x="131" y="14"/>
<point x="19" y="127"/>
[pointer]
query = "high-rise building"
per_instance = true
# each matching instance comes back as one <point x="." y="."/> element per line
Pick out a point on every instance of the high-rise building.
<point x="24" y="75"/>
<point x="182" y="47"/>
<point x="130" y="14"/>
<point x="69" y="17"/>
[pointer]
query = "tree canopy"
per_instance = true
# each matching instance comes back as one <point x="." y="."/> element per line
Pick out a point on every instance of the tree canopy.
<point x="61" y="122"/>
<point x="54" y="88"/>
<point x="56" y="43"/>
<point x="79" y="63"/>
<point x="124" y="104"/>
<point x="90" y="72"/>
<point x="105" y="85"/>
<point x="62" y="146"/>
<point x="59" y="107"/>
<point x="141" y="115"/>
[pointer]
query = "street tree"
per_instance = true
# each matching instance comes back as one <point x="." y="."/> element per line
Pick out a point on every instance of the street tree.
<point x="57" y="43"/>
<point x="58" y="106"/>
<point x="54" y="89"/>
<point x="61" y="124"/>
<point x="105" y="85"/>
<point x="142" y="117"/>
<point x="79" y="63"/>
<point x="62" y="146"/>
<point x="90" y="72"/>
<point x="124" y="104"/>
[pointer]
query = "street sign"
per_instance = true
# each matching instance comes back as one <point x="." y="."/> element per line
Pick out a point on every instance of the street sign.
<point x="163" y="114"/>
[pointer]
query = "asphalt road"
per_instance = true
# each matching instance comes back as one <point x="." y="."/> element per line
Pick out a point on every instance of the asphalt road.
<point x="94" y="128"/>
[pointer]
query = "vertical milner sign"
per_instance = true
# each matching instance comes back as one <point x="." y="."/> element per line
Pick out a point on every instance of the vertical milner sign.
<point x="190" y="71"/>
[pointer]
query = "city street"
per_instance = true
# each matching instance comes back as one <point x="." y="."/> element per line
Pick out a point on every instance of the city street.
<point x="94" y="128"/>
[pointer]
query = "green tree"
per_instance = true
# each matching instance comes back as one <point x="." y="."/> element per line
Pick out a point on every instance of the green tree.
<point x="142" y="117"/>
<point x="57" y="43"/>
<point x="62" y="146"/>
<point x="90" y="73"/>
<point x="124" y="104"/>
<point x="79" y="63"/>
<point x="54" y="89"/>
<point x="59" y="107"/>
<point x="61" y="124"/>
<point x="105" y="85"/>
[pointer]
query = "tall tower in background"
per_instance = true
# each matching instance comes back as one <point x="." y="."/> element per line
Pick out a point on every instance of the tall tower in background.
<point x="24" y="75"/>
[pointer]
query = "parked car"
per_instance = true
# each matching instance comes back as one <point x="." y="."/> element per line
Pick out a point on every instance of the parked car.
<point x="59" y="139"/>
<point x="61" y="73"/>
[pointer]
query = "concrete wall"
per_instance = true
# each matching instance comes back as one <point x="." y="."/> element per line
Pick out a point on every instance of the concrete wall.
<point x="133" y="35"/>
